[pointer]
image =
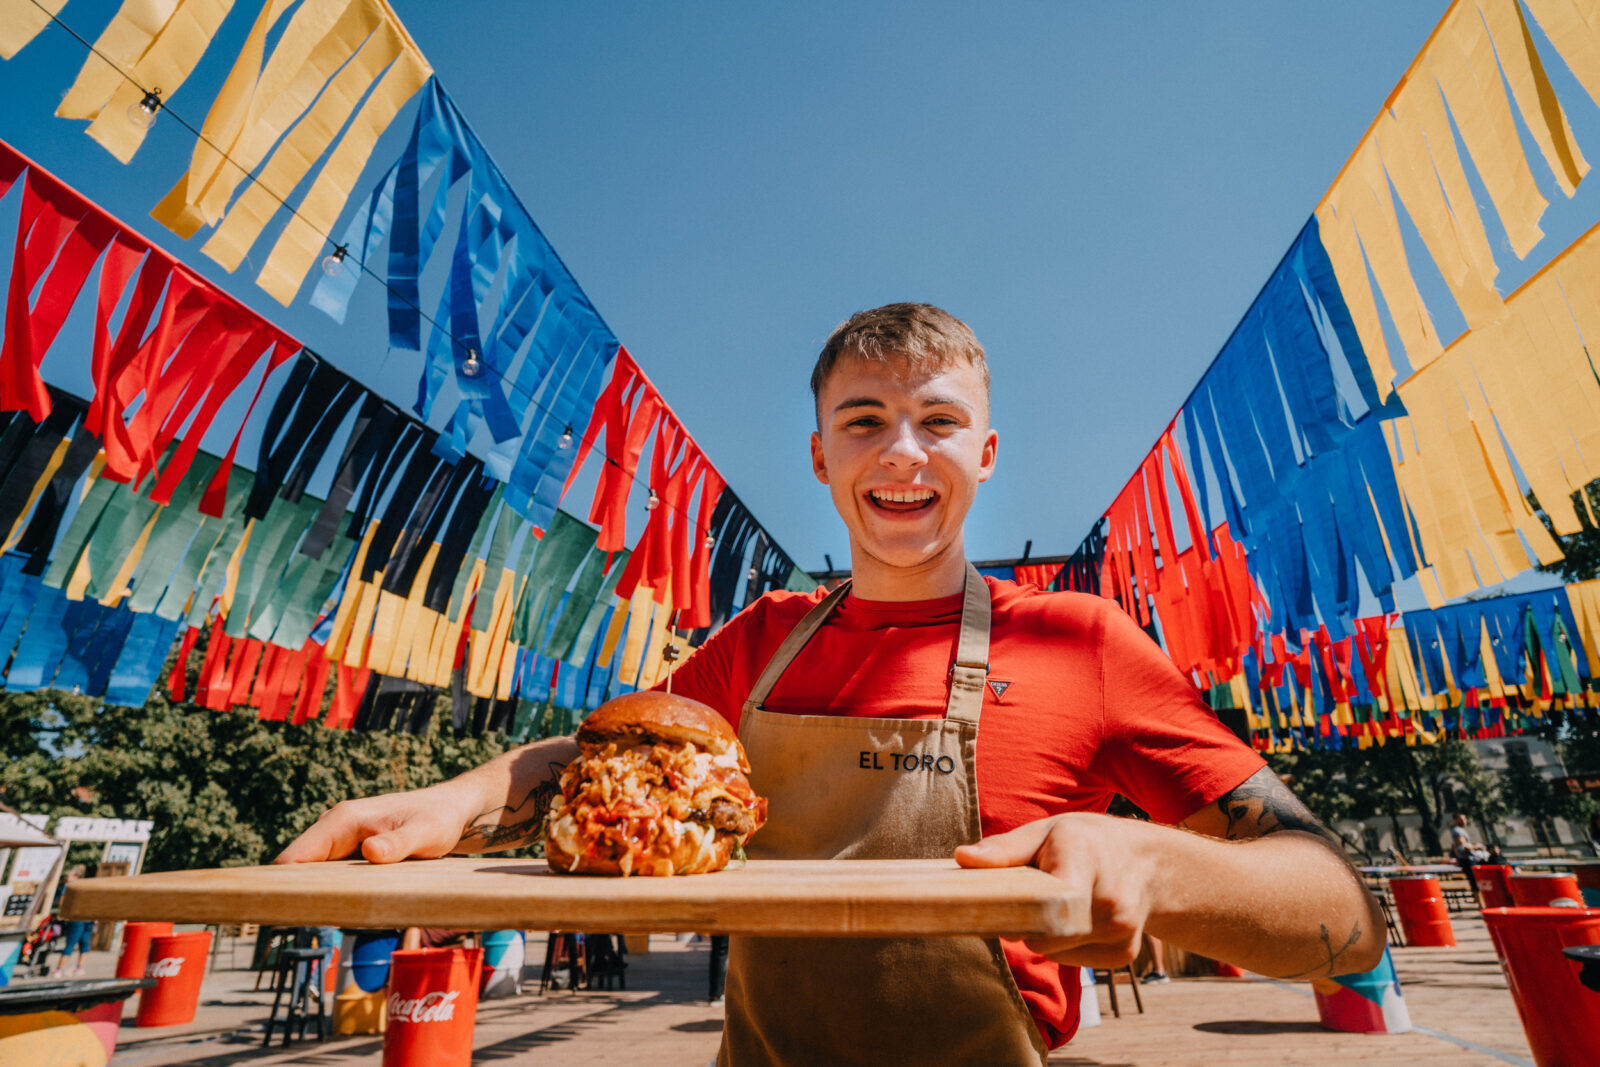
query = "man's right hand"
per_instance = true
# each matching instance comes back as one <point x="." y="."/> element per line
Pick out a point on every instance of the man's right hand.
<point x="422" y="824"/>
<point x="496" y="806"/>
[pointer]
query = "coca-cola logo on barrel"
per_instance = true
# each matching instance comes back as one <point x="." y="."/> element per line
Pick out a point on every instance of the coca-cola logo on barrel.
<point x="164" y="968"/>
<point x="428" y="1008"/>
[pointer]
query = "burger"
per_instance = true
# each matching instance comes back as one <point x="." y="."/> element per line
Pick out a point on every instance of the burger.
<point x="660" y="787"/>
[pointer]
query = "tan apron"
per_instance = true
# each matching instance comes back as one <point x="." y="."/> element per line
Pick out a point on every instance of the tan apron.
<point x="869" y="788"/>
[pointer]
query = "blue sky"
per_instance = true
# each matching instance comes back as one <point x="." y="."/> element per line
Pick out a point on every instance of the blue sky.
<point x="1099" y="190"/>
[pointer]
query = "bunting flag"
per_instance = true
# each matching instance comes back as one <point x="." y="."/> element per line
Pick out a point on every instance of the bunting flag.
<point x="415" y="573"/>
<point x="535" y="373"/>
<point x="1315" y="466"/>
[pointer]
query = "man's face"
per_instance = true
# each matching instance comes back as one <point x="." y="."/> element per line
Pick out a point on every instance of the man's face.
<point x="902" y="453"/>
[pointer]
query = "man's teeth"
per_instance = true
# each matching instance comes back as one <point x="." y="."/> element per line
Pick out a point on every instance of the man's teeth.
<point x="902" y="496"/>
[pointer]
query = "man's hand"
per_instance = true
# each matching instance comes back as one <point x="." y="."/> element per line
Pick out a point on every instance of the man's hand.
<point x="422" y="824"/>
<point x="1109" y="860"/>
<point x="496" y="806"/>
<point x="1274" y="895"/>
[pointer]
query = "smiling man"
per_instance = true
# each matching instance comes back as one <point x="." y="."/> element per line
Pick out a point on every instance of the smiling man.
<point x="921" y="710"/>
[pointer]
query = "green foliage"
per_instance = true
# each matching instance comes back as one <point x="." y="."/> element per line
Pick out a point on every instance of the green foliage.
<point x="223" y="788"/>
<point x="1389" y="780"/>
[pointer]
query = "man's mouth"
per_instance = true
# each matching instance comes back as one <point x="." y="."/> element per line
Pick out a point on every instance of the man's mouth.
<point x="910" y="498"/>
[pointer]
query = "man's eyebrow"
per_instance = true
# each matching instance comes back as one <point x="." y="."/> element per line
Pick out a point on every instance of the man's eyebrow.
<point x="858" y="402"/>
<point x="940" y="401"/>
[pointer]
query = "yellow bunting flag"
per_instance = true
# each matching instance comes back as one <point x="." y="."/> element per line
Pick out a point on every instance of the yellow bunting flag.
<point x="21" y="21"/>
<point x="149" y="44"/>
<point x="339" y="65"/>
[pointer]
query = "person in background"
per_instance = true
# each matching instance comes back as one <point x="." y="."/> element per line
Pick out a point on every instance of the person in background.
<point x="1158" y="960"/>
<point x="75" y="934"/>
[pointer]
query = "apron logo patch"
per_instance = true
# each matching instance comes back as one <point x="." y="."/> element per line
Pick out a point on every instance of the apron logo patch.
<point x="999" y="688"/>
<point x="907" y="761"/>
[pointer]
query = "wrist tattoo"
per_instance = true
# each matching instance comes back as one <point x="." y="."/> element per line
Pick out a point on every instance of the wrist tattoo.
<point x="511" y="825"/>
<point x="1323" y="970"/>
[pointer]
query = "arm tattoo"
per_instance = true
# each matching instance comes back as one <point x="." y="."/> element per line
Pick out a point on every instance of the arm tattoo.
<point x="509" y="826"/>
<point x="1263" y="805"/>
<point x="1322" y="970"/>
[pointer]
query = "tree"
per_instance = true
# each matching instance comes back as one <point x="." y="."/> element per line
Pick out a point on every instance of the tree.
<point x="223" y="788"/>
<point x="1535" y="796"/>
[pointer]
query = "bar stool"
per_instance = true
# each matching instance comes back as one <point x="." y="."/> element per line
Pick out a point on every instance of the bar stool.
<point x="1111" y="986"/>
<point x="303" y="971"/>
<point x="563" y="952"/>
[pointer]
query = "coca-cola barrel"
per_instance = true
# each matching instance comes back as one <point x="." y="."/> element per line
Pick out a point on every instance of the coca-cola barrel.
<point x="178" y="964"/>
<point x="433" y="1004"/>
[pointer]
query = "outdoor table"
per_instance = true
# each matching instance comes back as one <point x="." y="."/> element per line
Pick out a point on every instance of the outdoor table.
<point x="65" y="1022"/>
<point x="808" y="898"/>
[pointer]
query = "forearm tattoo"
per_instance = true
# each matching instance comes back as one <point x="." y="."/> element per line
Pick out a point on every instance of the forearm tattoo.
<point x="1263" y="805"/>
<point x="512" y="825"/>
<point x="1331" y="964"/>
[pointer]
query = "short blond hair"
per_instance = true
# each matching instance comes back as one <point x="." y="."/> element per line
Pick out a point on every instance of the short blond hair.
<point x="920" y="334"/>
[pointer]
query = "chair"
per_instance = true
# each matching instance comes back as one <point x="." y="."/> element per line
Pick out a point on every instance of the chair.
<point x="607" y="969"/>
<point x="303" y="972"/>
<point x="1111" y="986"/>
<point x="564" y="953"/>
<point x="1381" y="891"/>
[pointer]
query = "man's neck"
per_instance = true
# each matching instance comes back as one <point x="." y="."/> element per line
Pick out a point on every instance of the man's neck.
<point x="874" y="579"/>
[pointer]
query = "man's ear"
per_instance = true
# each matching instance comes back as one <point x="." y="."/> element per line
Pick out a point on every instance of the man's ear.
<point x="991" y="444"/>
<point x="819" y="462"/>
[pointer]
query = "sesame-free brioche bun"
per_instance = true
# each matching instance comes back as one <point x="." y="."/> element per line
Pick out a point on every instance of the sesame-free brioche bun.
<point x="685" y="859"/>
<point x="657" y="716"/>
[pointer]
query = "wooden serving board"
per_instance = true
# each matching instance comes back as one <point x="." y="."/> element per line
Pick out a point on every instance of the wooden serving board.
<point x="812" y="898"/>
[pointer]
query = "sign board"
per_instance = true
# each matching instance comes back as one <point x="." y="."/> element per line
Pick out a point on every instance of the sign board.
<point x="122" y="852"/>
<point x="1578" y="783"/>
<point x="33" y="864"/>
<point x="77" y="828"/>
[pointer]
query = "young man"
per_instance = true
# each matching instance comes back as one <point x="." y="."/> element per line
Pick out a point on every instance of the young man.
<point x="860" y="711"/>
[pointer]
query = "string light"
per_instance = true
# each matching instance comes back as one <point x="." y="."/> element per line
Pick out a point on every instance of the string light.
<point x="333" y="262"/>
<point x="653" y="502"/>
<point x="752" y="574"/>
<point x="143" y="114"/>
<point x="711" y="542"/>
<point x="472" y="366"/>
<point x="565" y="441"/>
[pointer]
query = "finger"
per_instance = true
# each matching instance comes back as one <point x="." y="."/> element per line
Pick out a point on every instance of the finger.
<point x="407" y="840"/>
<point x="1074" y="952"/>
<point x="1014" y="848"/>
<point x="333" y="836"/>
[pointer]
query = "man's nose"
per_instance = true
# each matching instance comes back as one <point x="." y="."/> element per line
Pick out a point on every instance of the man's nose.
<point x="903" y="448"/>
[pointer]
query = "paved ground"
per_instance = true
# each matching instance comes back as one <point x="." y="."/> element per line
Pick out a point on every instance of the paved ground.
<point x="1456" y="997"/>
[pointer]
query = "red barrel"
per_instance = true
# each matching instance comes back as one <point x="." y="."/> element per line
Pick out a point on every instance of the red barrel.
<point x="1492" y="889"/>
<point x="136" y="947"/>
<point x="1560" y="1016"/>
<point x="1423" y="915"/>
<point x="331" y="979"/>
<point x="433" y="1004"/>
<point x="178" y="964"/>
<point x="1542" y="890"/>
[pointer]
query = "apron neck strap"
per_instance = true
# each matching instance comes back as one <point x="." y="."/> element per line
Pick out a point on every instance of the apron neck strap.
<point x="967" y="675"/>
<point x="971" y="669"/>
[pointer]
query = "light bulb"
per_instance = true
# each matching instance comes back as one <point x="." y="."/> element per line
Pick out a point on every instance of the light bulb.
<point x="711" y="542"/>
<point x="651" y="504"/>
<point x="143" y="114"/>
<point x="472" y="366"/>
<point x="333" y="262"/>
<point x="565" y="441"/>
<point x="752" y="574"/>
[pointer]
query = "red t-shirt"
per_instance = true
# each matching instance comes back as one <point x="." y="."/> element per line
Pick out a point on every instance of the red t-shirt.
<point x="1081" y="704"/>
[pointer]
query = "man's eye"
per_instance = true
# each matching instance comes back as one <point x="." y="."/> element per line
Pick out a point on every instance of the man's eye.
<point x="865" y="422"/>
<point x="941" y="421"/>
